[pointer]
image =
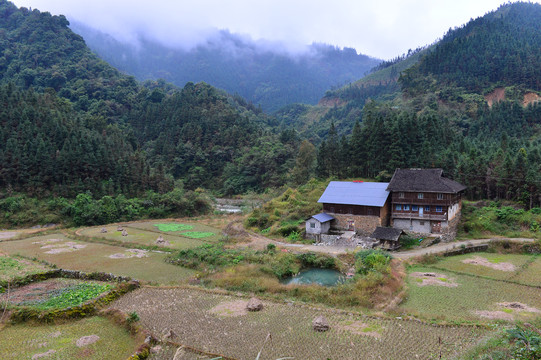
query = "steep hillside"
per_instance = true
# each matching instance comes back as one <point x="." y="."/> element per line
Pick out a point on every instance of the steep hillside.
<point x="468" y="104"/>
<point x="263" y="74"/>
<point x="72" y="123"/>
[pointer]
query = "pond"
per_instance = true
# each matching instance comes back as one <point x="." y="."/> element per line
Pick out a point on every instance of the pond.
<point x="325" y="277"/>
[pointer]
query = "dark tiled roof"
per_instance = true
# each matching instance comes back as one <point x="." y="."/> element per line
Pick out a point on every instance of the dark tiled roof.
<point x="425" y="180"/>
<point x="384" y="233"/>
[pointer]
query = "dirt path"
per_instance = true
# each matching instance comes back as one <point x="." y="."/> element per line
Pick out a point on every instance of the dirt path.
<point x="260" y="242"/>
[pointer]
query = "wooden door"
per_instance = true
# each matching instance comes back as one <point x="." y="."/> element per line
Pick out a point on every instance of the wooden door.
<point x="351" y="225"/>
<point x="436" y="226"/>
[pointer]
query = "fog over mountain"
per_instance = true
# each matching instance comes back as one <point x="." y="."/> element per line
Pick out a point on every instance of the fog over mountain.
<point x="266" y="73"/>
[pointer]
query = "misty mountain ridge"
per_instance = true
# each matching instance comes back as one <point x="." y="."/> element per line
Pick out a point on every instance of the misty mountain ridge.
<point x="268" y="73"/>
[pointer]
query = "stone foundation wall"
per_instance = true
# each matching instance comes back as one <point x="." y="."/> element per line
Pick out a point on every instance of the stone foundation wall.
<point x="361" y="223"/>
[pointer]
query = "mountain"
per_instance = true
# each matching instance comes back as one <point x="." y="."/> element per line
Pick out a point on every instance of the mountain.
<point x="71" y="123"/>
<point x="262" y="73"/>
<point x="469" y="104"/>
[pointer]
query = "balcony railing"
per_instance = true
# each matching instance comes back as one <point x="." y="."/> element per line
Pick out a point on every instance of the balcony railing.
<point x="416" y="215"/>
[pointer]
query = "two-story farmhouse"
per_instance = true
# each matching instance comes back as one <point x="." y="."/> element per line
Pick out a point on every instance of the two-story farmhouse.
<point x="422" y="200"/>
<point x="357" y="205"/>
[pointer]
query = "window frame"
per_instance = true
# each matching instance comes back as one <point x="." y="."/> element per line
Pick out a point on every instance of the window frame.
<point x="406" y="208"/>
<point x="440" y="196"/>
<point x="420" y="195"/>
<point x="398" y="207"/>
<point x="439" y="208"/>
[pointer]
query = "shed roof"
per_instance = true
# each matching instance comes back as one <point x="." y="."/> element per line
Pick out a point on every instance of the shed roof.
<point x="355" y="193"/>
<point x="425" y="180"/>
<point x="385" y="233"/>
<point x="322" y="218"/>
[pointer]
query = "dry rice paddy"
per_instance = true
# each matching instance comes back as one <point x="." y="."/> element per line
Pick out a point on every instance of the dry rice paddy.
<point x="214" y="323"/>
<point x="92" y="257"/>
<point x="92" y="338"/>
<point x="175" y="235"/>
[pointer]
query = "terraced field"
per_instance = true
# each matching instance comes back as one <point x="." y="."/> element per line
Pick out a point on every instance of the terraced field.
<point x="175" y="235"/>
<point x="476" y="287"/>
<point x="91" y="338"/>
<point x="92" y="257"/>
<point x="17" y="267"/>
<point x="220" y="324"/>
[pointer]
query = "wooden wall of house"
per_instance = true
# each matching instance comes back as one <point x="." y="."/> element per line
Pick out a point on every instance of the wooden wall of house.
<point x="352" y="209"/>
<point x="428" y="198"/>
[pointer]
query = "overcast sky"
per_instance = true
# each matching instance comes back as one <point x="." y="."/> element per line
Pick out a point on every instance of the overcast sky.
<point x="379" y="28"/>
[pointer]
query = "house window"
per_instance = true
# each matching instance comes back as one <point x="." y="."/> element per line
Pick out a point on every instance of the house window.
<point x="399" y="207"/>
<point x="406" y="207"/>
<point x="369" y="211"/>
<point x="312" y="225"/>
<point x="401" y="195"/>
<point x="332" y="209"/>
<point x="440" y="196"/>
<point x="427" y="208"/>
<point x="421" y="223"/>
<point x="439" y="209"/>
<point x="414" y="208"/>
<point x="420" y="195"/>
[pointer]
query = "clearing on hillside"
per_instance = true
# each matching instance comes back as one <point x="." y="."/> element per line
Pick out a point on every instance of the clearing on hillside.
<point x="12" y="267"/>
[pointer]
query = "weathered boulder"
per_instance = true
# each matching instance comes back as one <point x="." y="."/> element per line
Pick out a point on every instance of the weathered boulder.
<point x="254" y="305"/>
<point x="160" y="240"/>
<point x="103" y="230"/>
<point x="170" y="334"/>
<point x="119" y="228"/>
<point x="320" y="324"/>
<point x="124" y="232"/>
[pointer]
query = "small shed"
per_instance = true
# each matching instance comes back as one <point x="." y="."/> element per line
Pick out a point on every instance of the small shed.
<point x="319" y="224"/>
<point x="389" y="237"/>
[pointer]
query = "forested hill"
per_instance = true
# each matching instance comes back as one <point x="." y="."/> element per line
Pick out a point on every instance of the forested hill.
<point x="40" y="51"/>
<point x="263" y="74"/>
<point x="499" y="49"/>
<point x="470" y="105"/>
<point x="71" y="123"/>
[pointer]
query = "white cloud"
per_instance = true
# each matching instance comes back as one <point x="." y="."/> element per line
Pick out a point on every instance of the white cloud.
<point x="382" y="29"/>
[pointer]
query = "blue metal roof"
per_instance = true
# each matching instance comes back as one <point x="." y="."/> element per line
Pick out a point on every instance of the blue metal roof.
<point x="355" y="193"/>
<point x="323" y="217"/>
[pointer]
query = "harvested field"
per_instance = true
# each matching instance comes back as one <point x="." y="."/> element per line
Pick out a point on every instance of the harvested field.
<point x="531" y="274"/>
<point x="16" y="267"/>
<point x="176" y="235"/>
<point x="67" y="341"/>
<point x="188" y="313"/>
<point x="481" y="261"/>
<point x="431" y="278"/>
<point x="96" y="258"/>
<point x="460" y="303"/>
<point x="491" y="265"/>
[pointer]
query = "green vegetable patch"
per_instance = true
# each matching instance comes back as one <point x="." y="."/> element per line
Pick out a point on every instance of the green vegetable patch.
<point x="197" y="234"/>
<point x="57" y="293"/>
<point x="173" y="227"/>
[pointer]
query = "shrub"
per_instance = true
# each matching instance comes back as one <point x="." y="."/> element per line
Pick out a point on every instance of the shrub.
<point x="372" y="261"/>
<point x="133" y="317"/>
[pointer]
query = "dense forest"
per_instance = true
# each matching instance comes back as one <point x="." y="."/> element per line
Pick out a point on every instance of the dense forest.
<point x="264" y="74"/>
<point x="439" y="115"/>
<point x="76" y="130"/>
<point x="71" y="124"/>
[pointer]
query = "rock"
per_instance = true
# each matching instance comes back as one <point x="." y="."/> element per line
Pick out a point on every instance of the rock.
<point x="119" y="228"/>
<point x="160" y="240"/>
<point x="155" y="349"/>
<point x="103" y="230"/>
<point x="320" y="324"/>
<point x="124" y="232"/>
<point x="254" y="305"/>
<point x="170" y="334"/>
<point x="44" y="355"/>
<point x="87" y="340"/>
